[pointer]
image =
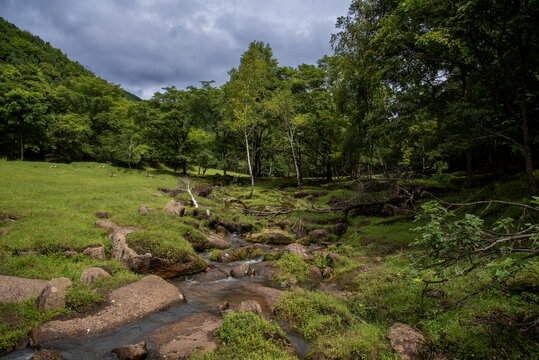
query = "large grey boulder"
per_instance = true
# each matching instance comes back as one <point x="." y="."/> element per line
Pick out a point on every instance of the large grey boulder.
<point x="175" y="208"/>
<point x="406" y="341"/>
<point x="90" y="275"/>
<point x="53" y="295"/>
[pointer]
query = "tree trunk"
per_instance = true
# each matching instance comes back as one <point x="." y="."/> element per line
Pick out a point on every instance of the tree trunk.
<point x="184" y="167"/>
<point x="249" y="164"/>
<point x="298" y="178"/>
<point x="21" y="153"/>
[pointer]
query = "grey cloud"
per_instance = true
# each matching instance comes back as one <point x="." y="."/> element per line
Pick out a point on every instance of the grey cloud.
<point x="145" y="45"/>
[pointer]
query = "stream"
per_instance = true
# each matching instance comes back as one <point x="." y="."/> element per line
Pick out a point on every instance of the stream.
<point x="200" y="297"/>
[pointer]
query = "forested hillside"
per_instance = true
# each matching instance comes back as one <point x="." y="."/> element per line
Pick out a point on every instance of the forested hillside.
<point x="52" y="108"/>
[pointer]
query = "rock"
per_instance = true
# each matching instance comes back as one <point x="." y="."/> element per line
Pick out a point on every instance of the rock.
<point x="221" y="229"/>
<point x="203" y="190"/>
<point x="327" y="272"/>
<point x="304" y="193"/>
<point x="185" y="264"/>
<point x="90" y="275"/>
<point x="223" y="306"/>
<point x="241" y="271"/>
<point x="97" y="253"/>
<point x="16" y="289"/>
<point x="53" y="295"/>
<point x="406" y="341"/>
<point x="45" y="354"/>
<point x="132" y="352"/>
<point x="70" y="253"/>
<point x="157" y="195"/>
<point x="336" y="203"/>
<point x="266" y="296"/>
<point x="211" y="275"/>
<point x="340" y="229"/>
<point x="300" y="250"/>
<point x="217" y="241"/>
<point x="318" y="235"/>
<point x="272" y="236"/>
<point x="264" y="269"/>
<point x="185" y="337"/>
<point x="126" y="304"/>
<point x="175" y="208"/>
<point x="333" y="258"/>
<point x="143" y="209"/>
<point x="102" y="215"/>
<point x="315" y="275"/>
<point x="241" y="253"/>
<point x="250" y="306"/>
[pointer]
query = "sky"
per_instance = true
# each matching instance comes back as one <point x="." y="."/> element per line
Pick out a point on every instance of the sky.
<point x="145" y="45"/>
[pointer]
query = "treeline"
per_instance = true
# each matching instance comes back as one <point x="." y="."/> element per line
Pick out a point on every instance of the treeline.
<point x="423" y="87"/>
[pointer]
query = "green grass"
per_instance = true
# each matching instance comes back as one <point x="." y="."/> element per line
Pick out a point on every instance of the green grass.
<point x="244" y="335"/>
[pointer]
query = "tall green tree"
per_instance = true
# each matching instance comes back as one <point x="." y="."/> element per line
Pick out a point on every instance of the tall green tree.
<point x="246" y="93"/>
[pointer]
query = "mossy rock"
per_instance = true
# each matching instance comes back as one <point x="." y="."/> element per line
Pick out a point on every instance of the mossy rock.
<point x="272" y="236"/>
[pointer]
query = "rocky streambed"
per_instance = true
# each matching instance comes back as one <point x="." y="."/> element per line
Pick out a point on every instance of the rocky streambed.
<point x="168" y="319"/>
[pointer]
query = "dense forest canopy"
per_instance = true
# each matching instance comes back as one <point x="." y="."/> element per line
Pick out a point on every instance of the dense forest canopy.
<point x="422" y="87"/>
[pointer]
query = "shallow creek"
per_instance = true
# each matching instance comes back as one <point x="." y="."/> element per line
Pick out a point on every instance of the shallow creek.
<point x="200" y="297"/>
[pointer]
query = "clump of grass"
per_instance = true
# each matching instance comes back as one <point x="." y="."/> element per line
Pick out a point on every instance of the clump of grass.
<point x="291" y="266"/>
<point x="244" y="335"/>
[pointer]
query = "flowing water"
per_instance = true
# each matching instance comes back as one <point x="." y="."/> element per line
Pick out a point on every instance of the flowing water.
<point x="200" y="297"/>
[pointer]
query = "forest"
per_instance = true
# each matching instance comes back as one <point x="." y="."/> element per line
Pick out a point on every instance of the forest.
<point x="402" y="166"/>
<point x="420" y="87"/>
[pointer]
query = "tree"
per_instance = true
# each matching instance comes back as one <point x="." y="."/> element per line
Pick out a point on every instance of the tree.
<point x="25" y="106"/>
<point x="246" y="93"/>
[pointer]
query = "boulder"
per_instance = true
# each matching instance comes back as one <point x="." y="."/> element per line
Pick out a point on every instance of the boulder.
<point x="102" y="215"/>
<point x="266" y="296"/>
<point x="217" y="241"/>
<point x="406" y="341"/>
<point x="315" y="274"/>
<point x="53" y="296"/>
<point x="300" y="250"/>
<point x="210" y="275"/>
<point x="70" y="253"/>
<point x="333" y="258"/>
<point x="250" y="306"/>
<point x="203" y="190"/>
<point x="16" y="289"/>
<point x="271" y="236"/>
<point x="175" y="208"/>
<point x="90" y="275"/>
<point x="97" y="253"/>
<point x="126" y="304"/>
<point x="185" y="337"/>
<point x="339" y="229"/>
<point x="318" y="235"/>
<point x="143" y="209"/>
<point x="132" y="352"/>
<point x="241" y="271"/>
<point x="45" y="354"/>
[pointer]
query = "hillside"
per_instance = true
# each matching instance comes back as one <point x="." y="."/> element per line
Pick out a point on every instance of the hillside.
<point x="50" y="105"/>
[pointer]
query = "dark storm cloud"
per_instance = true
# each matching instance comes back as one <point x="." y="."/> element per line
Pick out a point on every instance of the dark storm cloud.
<point x="147" y="44"/>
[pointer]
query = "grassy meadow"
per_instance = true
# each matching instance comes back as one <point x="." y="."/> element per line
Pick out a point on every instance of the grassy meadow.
<point x="373" y="284"/>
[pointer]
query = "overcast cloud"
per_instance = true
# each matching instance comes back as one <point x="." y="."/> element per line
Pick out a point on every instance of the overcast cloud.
<point x="144" y="45"/>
